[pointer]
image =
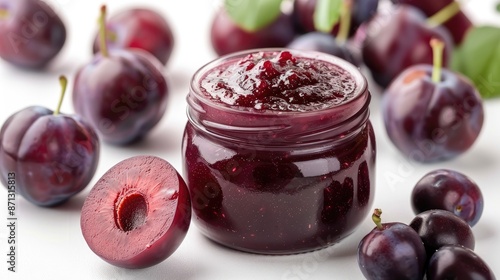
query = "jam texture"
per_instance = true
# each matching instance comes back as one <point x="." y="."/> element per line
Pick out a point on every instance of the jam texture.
<point x="279" y="81"/>
<point x="273" y="201"/>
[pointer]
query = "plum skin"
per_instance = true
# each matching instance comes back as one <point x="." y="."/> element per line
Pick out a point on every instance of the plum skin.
<point x="438" y="228"/>
<point x="150" y="237"/>
<point x="31" y="35"/>
<point x="393" y="252"/>
<point x="53" y="157"/>
<point x="428" y="121"/>
<point x="303" y="15"/>
<point x="448" y="190"/>
<point x="401" y="38"/>
<point x="122" y="96"/>
<point x="139" y="28"/>
<point x="457" y="262"/>
<point x="227" y="37"/>
<point x="458" y="25"/>
<point x="326" y="43"/>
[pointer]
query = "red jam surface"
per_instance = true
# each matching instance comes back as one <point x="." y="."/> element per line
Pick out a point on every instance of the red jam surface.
<point x="280" y="82"/>
<point x="287" y="180"/>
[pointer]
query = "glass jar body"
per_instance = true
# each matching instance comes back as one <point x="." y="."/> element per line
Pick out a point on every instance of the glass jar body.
<point x="279" y="182"/>
<point x="279" y="200"/>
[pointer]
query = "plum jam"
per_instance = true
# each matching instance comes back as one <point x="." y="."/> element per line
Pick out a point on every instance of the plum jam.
<point x="278" y="152"/>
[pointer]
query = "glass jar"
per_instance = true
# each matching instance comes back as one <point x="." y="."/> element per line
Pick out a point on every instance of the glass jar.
<point x="279" y="182"/>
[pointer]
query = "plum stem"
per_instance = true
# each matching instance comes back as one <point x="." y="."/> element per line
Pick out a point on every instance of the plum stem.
<point x="64" y="84"/>
<point x="444" y="14"/>
<point x="4" y="13"/>
<point x="112" y="36"/>
<point x="376" y="217"/>
<point x="103" y="32"/>
<point x="345" y="21"/>
<point x="437" y="54"/>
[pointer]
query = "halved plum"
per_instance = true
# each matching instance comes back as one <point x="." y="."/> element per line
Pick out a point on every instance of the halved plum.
<point x="138" y="213"/>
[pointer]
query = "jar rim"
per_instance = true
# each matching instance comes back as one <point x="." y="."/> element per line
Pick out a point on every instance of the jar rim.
<point x="352" y="70"/>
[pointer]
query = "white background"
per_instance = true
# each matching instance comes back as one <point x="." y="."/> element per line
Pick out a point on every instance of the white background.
<point x="51" y="245"/>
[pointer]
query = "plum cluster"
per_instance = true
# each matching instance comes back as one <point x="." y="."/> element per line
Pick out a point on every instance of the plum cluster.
<point x="428" y="118"/>
<point x="118" y="97"/>
<point x="430" y="114"/>
<point x="360" y="32"/>
<point x="437" y="243"/>
<point x="295" y="29"/>
<point x="448" y="190"/>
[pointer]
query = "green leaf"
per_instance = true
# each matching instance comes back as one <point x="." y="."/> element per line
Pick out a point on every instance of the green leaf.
<point x="498" y="7"/>
<point x="252" y="15"/>
<point x="479" y="59"/>
<point x="327" y="14"/>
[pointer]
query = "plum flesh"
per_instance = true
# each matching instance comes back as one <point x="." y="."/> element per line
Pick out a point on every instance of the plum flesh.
<point x="137" y="214"/>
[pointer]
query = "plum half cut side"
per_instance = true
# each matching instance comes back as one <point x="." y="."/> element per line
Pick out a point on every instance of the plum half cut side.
<point x="137" y="214"/>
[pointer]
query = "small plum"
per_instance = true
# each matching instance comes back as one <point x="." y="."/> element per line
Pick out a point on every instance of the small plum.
<point x="50" y="156"/>
<point x="326" y="43"/>
<point x="391" y="251"/>
<point x="139" y="28"/>
<point x="122" y="93"/>
<point x="457" y="262"/>
<point x="438" y="228"/>
<point x="448" y="190"/>
<point x="399" y="40"/>
<point x="457" y="22"/>
<point x="303" y="14"/>
<point x="432" y="114"/>
<point x="31" y="33"/>
<point x="227" y="37"/>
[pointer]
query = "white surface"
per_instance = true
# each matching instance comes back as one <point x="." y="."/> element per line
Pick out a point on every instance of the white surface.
<point x="51" y="245"/>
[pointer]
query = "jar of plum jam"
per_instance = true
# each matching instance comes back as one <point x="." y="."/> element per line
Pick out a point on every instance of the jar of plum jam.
<point x="278" y="152"/>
